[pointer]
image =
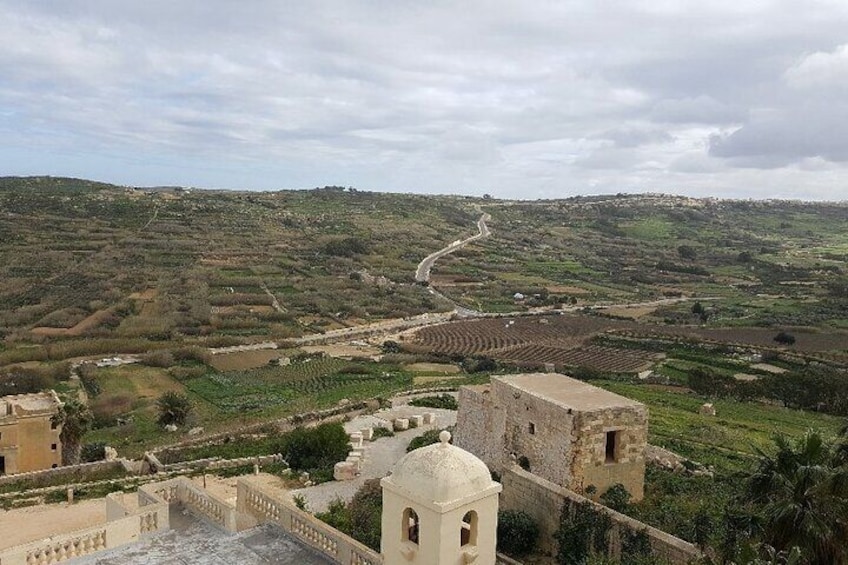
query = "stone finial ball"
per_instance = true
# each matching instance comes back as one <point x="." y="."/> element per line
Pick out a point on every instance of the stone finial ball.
<point x="445" y="437"/>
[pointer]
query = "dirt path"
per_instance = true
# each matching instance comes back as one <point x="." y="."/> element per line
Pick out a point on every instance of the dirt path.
<point x="275" y="304"/>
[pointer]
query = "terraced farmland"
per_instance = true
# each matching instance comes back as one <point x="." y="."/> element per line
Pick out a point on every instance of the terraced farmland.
<point x="594" y="357"/>
<point x="532" y="342"/>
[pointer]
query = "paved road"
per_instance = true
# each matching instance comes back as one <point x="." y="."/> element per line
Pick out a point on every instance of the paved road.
<point x="422" y="274"/>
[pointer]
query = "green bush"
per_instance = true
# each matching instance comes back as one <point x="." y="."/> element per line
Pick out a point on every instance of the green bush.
<point x="517" y="532"/>
<point x="362" y="517"/>
<point x="314" y="449"/>
<point x="93" y="452"/>
<point x="382" y="432"/>
<point x="445" y="401"/>
<point x="174" y="408"/>
<point x="616" y="497"/>
<point x="427" y="438"/>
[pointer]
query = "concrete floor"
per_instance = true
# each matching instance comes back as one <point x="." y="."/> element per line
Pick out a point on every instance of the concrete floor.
<point x="191" y="541"/>
<point x="33" y="523"/>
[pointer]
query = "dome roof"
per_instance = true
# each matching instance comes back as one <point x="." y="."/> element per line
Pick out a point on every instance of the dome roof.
<point x="441" y="473"/>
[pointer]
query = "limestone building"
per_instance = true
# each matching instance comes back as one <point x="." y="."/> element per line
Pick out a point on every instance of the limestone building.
<point x="561" y="429"/>
<point x="29" y="440"/>
<point x="440" y="507"/>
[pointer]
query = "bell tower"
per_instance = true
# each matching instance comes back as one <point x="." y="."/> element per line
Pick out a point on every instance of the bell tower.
<point x="440" y="507"/>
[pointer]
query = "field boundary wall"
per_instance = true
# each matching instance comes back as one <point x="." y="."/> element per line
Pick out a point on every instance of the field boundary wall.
<point x="58" y="472"/>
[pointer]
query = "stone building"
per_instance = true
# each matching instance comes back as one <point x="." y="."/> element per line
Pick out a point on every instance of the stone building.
<point x="564" y="430"/>
<point x="29" y="440"/>
<point x="440" y="507"/>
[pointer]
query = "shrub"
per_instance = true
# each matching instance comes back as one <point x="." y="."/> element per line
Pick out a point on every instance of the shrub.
<point x="314" y="449"/>
<point x="174" y="408"/>
<point x="362" y="517"/>
<point x="366" y="511"/>
<point x="427" y="438"/>
<point x="162" y="359"/>
<point x="347" y="247"/>
<point x="517" y="532"/>
<point x="382" y="432"/>
<point x="445" y="401"/>
<point x="93" y="452"/>
<point x="582" y="533"/>
<point x="784" y="338"/>
<point x="616" y="497"/>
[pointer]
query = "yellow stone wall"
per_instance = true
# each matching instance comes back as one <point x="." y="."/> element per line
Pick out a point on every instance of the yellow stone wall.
<point x="26" y="443"/>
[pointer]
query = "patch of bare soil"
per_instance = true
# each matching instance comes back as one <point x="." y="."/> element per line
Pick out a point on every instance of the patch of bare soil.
<point x="88" y="323"/>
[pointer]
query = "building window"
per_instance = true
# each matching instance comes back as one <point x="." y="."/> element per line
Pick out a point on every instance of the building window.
<point x="468" y="533"/>
<point x="611" y="448"/>
<point x="531" y="428"/>
<point x="53" y="447"/>
<point x="54" y="423"/>
<point x="409" y="526"/>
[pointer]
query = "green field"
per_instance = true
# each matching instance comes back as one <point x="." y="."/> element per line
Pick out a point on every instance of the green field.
<point x="727" y="441"/>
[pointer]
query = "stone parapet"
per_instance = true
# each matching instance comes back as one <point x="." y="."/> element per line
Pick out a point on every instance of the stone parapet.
<point x="544" y="501"/>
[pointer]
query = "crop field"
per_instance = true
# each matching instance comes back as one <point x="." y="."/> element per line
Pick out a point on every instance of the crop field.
<point x="727" y="441"/>
<point x="560" y="340"/>
<point x="488" y="335"/>
<point x="593" y="357"/>
<point x="260" y="389"/>
<point x="242" y="360"/>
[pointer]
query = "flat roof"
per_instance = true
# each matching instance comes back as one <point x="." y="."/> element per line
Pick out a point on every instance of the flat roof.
<point x="34" y="402"/>
<point x="566" y="391"/>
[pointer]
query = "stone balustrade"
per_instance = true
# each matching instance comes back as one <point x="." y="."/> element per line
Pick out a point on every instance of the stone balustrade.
<point x="263" y="505"/>
<point x="126" y="527"/>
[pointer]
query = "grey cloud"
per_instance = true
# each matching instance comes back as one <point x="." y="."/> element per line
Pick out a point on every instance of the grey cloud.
<point x="522" y="97"/>
<point x="787" y="135"/>
<point x="700" y="109"/>
<point x="636" y="136"/>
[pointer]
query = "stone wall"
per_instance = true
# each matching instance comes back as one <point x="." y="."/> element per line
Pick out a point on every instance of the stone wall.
<point x="539" y="430"/>
<point x="502" y="424"/>
<point x="475" y="429"/>
<point x="75" y="473"/>
<point x="630" y="426"/>
<point x="544" y="501"/>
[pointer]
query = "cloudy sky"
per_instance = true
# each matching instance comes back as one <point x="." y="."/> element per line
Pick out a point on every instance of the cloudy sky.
<point x="522" y="99"/>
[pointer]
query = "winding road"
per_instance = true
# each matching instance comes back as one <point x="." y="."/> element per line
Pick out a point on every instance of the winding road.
<point x="422" y="274"/>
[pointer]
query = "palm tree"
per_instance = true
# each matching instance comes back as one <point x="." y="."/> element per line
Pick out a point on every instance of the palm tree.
<point x="802" y="496"/>
<point x="174" y="408"/>
<point x="75" y="419"/>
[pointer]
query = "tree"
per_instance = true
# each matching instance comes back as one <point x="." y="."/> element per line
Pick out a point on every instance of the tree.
<point x="687" y="252"/>
<point x="517" y="532"/>
<point x="801" y="496"/>
<point x="785" y="338"/>
<point x="75" y="419"/>
<point x="174" y="408"/>
<point x="366" y="511"/>
<point x="314" y="449"/>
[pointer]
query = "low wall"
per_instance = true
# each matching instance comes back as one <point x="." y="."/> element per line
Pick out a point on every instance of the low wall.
<point x="543" y="500"/>
<point x="71" y="471"/>
<point x="123" y="526"/>
<point x="196" y="500"/>
<point x="263" y="506"/>
<point x="216" y="463"/>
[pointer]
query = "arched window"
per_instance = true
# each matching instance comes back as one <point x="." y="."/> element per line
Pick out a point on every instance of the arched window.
<point x="468" y="533"/>
<point x="409" y="526"/>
